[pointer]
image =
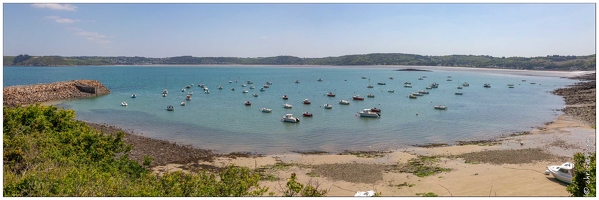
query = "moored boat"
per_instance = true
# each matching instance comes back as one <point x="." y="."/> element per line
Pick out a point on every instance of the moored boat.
<point x="183" y="103"/>
<point x="297" y="81"/>
<point x="423" y="92"/>
<point x="440" y="107"/>
<point x="486" y="85"/>
<point x="255" y="95"/>
<point x="459" y="87"/>
<point x="327" y="106"/>
<point x="306" y="101"/>
<point x="330" y="94"/>
<point x="248" y="103"/>
<point x="124" y="103"/>
<point x="369" y="113"/>
<point x="416" y="94"/>
<point x="250" y="82"/>
<point x="563" y="172"/>
<point x="170" y="108"/>
<point x="243" y="85"/>
<point x="343" y="102"/>
<point x="266" y="110"/>
<point x="244" y="91"/>
<point x="285" y="97"/>
<point x="220" y="87"/>
<point x="382" y="83"/>
<point x="133" y="96"/>
<point x="262" y="90"/>
<point x="412" y="96"/>
<point x="369" y="86"/>
<point x="319" y="80"/>
<point x="374" y="109"/>
<point x="370" y="95"/>
<point x="465" y="84"/>
<point x="459" y="93"/>
<point x="232" y="89"/>
<point x="290" y="118"/>
<point x="307" y="114"/>
<point x="408" y="86"/>
<point x="163" y="95"/>
<point x="183" y="90"/>
<point x="188" y="97"/>
<point x="164" y="91"/>
<point x="265" y="86"/>
<point x="391" y="91"/>
<point x="357" y="97"/>
<point x="188" y="86"/>
<point x="287" y="105"/>
<point x="252" y="87"/>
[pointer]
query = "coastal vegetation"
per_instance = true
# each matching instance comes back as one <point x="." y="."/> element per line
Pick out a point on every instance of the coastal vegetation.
<point x="585" y="176"/>
<point x="550" y="62"/>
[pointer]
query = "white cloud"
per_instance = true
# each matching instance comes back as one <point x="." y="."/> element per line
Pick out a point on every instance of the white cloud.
<point x="92" y="36"/>
<point x="62" y="20"/>
<point x="55" y="6"/>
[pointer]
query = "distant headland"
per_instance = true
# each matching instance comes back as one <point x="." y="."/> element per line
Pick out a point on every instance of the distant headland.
<point x="550" y="62"/>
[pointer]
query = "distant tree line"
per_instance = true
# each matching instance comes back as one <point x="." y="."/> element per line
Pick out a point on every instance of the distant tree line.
<point x="550" y="62"/>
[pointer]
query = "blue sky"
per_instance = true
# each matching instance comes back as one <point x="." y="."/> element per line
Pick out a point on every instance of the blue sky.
<point x="303" y="30"/>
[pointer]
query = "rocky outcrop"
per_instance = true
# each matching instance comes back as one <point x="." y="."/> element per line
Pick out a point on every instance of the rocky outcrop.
<point x="580" y="98"/>
<point x="37" y="93"/>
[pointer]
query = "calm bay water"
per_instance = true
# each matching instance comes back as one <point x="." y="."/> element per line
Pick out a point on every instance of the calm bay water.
<point x="221" y="122"/>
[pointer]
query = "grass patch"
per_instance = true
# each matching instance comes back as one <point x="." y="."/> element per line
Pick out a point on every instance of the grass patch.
<point x="479" y="142"/>
<point x="312" y="174"/>
<point x="509" y="156"/>
<point x="404" y="184"/>
<point x="420" y="166"/>
<point x="428" y="194"/>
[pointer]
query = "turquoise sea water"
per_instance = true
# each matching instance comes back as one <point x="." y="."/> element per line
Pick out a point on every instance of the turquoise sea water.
<point x="220" y="120"/>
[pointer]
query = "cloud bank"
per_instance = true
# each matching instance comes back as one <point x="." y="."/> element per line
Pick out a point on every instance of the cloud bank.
<point x="55" y="6"/>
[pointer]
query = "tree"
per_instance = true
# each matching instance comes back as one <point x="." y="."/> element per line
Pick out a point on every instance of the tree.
<point x="584" y="180"/>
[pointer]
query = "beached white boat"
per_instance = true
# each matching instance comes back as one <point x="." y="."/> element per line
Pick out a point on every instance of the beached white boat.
<point x="343" y="102"/>
<point x="266" y="110"/>
<point x="440" y="107"/>
<point x="563" y="172"/>
<point x="170" y="108"/>
<point x="289" y="118"/>
<point x="124" y="103"/>
<point x="328" y="106"/>
<point x="287" y="105"/>
<point x="369" y="113"/>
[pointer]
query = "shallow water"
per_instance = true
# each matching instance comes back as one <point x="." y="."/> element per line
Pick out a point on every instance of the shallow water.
<point x="221" y="122"/>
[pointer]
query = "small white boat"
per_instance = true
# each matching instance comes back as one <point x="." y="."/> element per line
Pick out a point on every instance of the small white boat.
<point x="465" y="84"/>
<point x="163" y="95"/>
<point x="164" y="91"/>
<point x="201" y="85"/>
<point x="220" y="87"/>
<point x="459" y="87"/>
<point x="369" y="86"/>
<point x="255" y="95"/>
<point x="243" y="85"/>
<point x="297" y="81"/>
<point x="287" y="105"/>
<point x="343" y="102"/>
<point x="183" y="90"/>
<point x="412" y="96"/>
<point x="391" y="91"/>
<point x="330" y="94"/>
<point x="244" y="91"/>
<point x="190" y="93"/>
<point x="486" y="85"/>
<point x="133" y="96"/>
<point x="188" y="97"/>
<point x="369" y="113"/>
<point x="252" y="87"/>
<point x="440" y="107"/>
<point x="230" y="81"/>
<point x="416" y="94"/>
<point x="170" y="108"/>
<point x="232" y="89"/>
<point x="183" y="103"/>
<point x="262" y="89"/>
<point x="429" y="88"/>
<point x="124" y="103"/>
<point x="319" y="80"/>
<point x="289" y="118"/>
<point x="423" y="92"/>
<point x="266" y="110"/>
<point x="306" y="101"/>
<point x="328" y="106"/>
<point x="563" y="172"/>
<point x="408" y="86"/>
<point x="205" y="88"/>
<point x="250" y="82"/>
<point x="248" y="103"/>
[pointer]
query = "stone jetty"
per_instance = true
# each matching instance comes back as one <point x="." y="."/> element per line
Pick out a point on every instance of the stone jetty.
<point x="38" y="93"/>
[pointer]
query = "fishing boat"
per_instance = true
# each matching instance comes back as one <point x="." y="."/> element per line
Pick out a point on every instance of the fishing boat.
<point x="287" y="105"/>
<point x="440" y="107"/>
<point x="170" y="108"/>
<point x="357" y="97"/>
<point x="183" y="103"/>
<point x="255" y="95"/>
<point x="285" y="97"/>
<point x="289" y="118"/>
<point x="266" y="110"/>
<point x="306" y="101"/>
<point x="327" y="106"/>
<point x="370" y="95"/>
<point x="486" y="85"/>
<point x="369" y="113"/>
<point x="248" y="103"/>
<point x="343" y="102"/>
<point x="307" y="114"/>
<point x="563" y="172"/>
<point x="330" y="94"/>
<point x="374" y="109"/>
<point x="124" y="103"/>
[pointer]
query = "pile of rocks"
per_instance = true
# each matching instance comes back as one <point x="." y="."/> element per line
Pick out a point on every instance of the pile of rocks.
<point x="37" y="93"/>
<point x="580" y="98"/>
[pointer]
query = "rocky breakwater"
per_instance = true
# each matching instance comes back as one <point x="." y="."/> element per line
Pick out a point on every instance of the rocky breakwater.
<point x="580" y="98"/>
<point x="37" y="93"/>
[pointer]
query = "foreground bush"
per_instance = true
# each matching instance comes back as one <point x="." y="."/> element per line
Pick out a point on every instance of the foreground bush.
<point x="48" y="153"/>
<point x="584" y="180"/>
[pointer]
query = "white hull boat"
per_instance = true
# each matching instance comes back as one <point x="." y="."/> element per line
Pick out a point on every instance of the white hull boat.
<point x="266" y="110"/>
<point x="369" y="113"/>
<point x="289" y="118"/>
<point x="563" y="172"/>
